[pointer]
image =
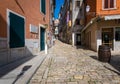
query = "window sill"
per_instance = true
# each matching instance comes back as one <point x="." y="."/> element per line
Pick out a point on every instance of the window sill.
<point x="109" y="9"/>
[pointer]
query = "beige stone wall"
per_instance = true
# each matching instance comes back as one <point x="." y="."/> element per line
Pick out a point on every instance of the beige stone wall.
<point x="94" y="39"/>
<point x="92" y="36"/>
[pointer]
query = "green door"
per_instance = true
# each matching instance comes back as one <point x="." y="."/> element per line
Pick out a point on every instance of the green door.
<point x="17" y="37"/>
<point x="42" y="40"/>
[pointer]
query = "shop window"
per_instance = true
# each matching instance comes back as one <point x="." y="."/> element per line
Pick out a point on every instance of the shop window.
<point x="108" y="4"/>
<point x="117" y="34"/>
<point x="118" y="21"/>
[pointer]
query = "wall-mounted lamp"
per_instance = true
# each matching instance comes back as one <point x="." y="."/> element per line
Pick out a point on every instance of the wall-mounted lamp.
<point x="88" y="11"/>
<point x="46" y="25"/>
<point x="87" y="8"/>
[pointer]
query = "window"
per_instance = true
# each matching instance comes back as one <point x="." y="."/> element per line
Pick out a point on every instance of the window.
<point x="77" y="3"/>
<point x="77" y="22"/>
<point x="43" y="6"/>
<point x="117" y="34"/>
<point x="108" y="4"/>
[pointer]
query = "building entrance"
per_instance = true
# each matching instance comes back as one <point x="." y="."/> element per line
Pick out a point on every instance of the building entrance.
<point x="107" y="37"/>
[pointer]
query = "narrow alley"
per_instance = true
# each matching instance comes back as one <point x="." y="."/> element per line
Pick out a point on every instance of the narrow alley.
<point x="67" y="65"/>
<point x="59" y="41"/>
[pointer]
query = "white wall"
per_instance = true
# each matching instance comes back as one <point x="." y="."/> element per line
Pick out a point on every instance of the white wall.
<point x="32" y="45"/>
<point x="98" y="38"/>
<point x="75" y="12"/>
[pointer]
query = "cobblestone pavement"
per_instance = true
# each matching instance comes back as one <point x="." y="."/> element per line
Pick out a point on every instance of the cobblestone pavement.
<point x="67" y="65"/>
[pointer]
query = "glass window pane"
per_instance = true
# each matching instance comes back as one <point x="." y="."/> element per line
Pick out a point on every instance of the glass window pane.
<point x="117" y="34"/>
<point x="111" y="3"/>
<point x="105" y="3"/>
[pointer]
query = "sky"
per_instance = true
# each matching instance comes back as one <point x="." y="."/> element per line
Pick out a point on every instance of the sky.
<point x="59" y="3"/>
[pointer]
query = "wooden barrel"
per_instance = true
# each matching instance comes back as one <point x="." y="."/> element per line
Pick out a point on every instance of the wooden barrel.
<point x="104" y="53"/>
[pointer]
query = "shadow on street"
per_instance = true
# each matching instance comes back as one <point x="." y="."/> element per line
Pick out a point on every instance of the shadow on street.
<point x="11" y="66"/>
<point x="115" y="62"/>
<point x="25" y="68"/>
<point x="7" y="61"/>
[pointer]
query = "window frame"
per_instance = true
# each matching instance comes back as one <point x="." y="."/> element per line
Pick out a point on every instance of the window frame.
<point x="103" y="5"/>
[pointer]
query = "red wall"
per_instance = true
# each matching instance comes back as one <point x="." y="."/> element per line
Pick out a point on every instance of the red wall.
<point x="91" y="13"/>
<point x="102" y="12"/>
<point x="30" y="9"/>
<point x="96" y="6"/>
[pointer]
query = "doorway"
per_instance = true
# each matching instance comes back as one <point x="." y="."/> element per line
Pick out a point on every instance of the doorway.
<point x="42" y="39"/>
<point x="107" y="37"/>
<point x="78" y="39"/>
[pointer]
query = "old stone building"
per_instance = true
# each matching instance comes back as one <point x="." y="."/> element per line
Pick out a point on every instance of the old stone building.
<point x="102" y="24"/>
<point x="24" y="28"/>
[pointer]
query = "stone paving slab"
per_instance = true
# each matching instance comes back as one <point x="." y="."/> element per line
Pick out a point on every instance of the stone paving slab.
<point x="22" y="70"/>
<point x="67" y="65"/>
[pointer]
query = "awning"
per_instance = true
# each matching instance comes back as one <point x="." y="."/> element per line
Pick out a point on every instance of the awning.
<point x="91" y="22"/>
<point x="112" y="17"/>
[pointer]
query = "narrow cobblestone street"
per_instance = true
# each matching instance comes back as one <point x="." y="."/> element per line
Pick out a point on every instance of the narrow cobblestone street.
<point x="67" y="65"/>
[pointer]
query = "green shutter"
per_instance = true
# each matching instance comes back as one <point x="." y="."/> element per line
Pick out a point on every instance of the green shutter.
<point x="42" y="38"/>
<point x="43" y="6"/>
<point x="17" y="38"/>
